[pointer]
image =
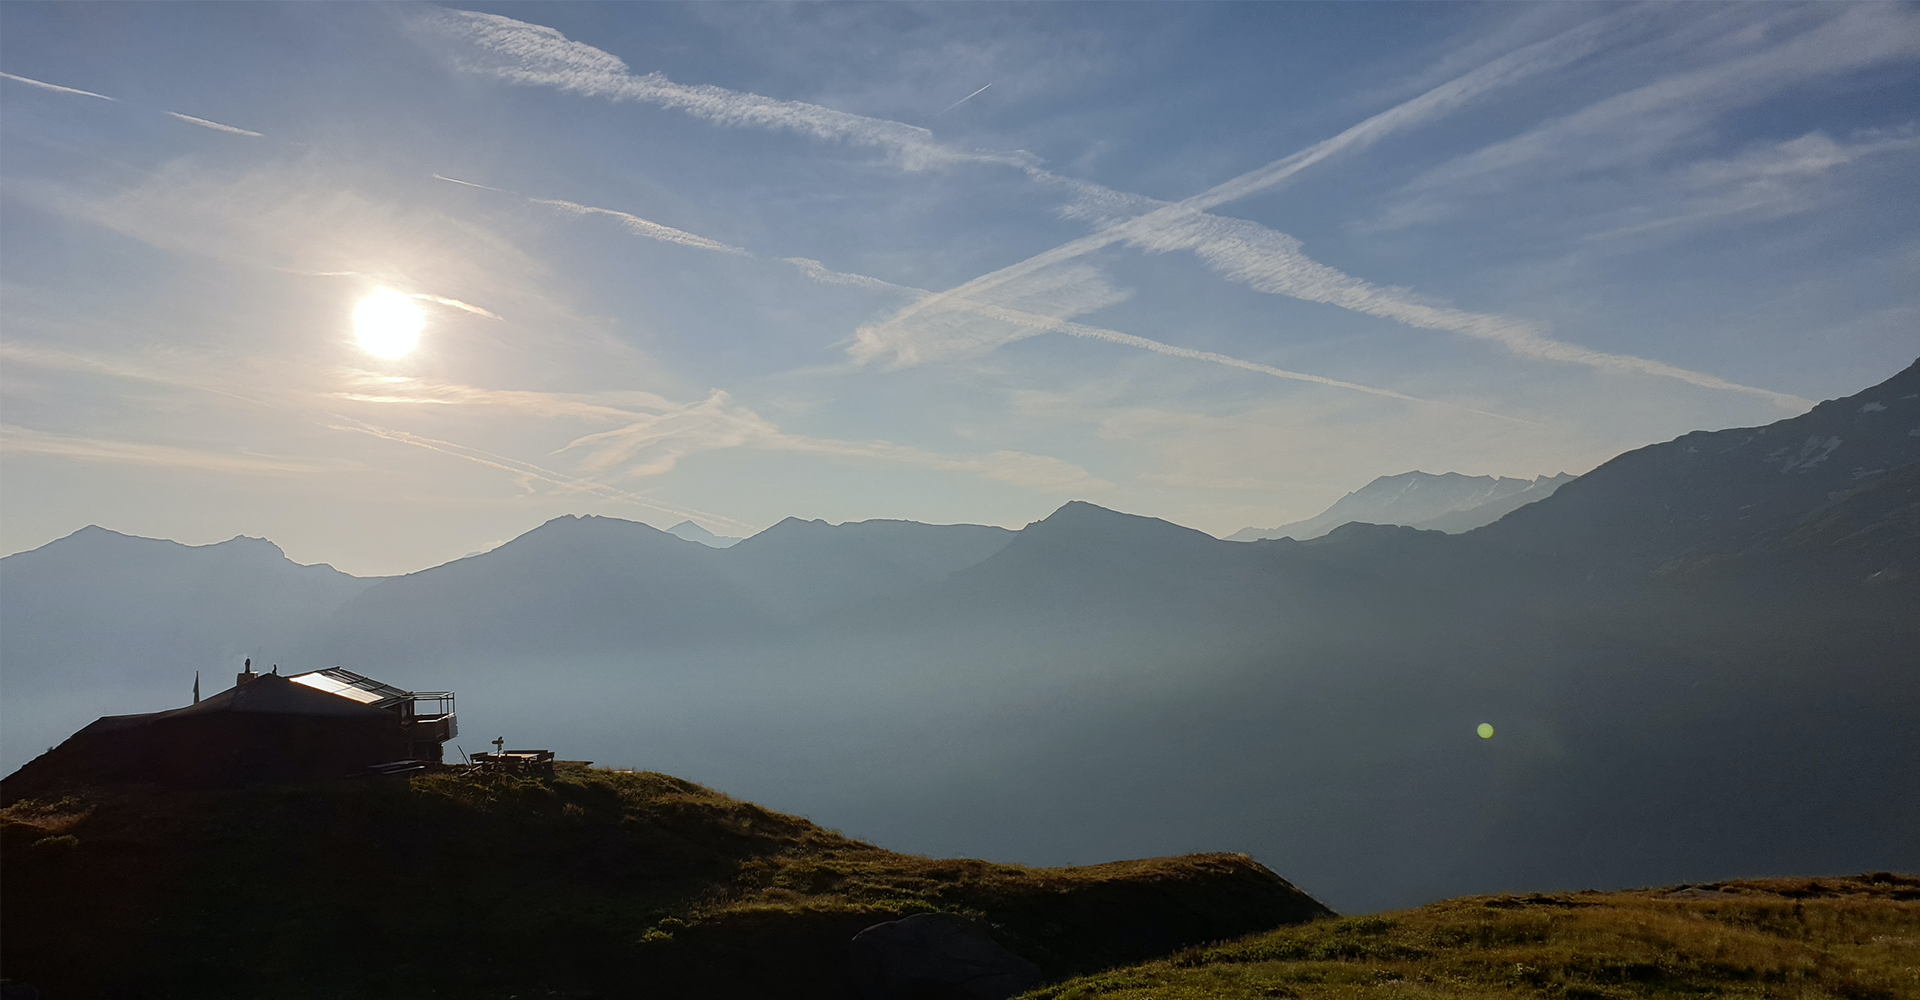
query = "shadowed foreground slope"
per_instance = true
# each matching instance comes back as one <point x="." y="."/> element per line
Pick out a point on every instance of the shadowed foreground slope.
<point x="591" y="883"/>
<point x="1847" y="938"/>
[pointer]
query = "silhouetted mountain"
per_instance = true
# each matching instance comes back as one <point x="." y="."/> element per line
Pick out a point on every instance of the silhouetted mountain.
<point x="798" y="569"/>
<point x="695" y="533"/>
<point x="1697" y="658"/>
<point x="1448" y="502"/>
<point x="100" y="622"/>
<point x="573" y="585"/>
<point x="1710" y="488"/>
<point x="591" y="586"/>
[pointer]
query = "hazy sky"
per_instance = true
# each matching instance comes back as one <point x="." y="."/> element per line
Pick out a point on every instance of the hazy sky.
<point x="960" y="262"/>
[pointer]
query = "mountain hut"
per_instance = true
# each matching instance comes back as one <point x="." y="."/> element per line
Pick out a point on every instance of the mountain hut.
<point x="324" y="724"/>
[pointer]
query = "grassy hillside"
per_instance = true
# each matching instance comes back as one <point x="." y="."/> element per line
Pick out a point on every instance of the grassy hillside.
<point x="592" y="883"/>
<point x="1843" y="938"/>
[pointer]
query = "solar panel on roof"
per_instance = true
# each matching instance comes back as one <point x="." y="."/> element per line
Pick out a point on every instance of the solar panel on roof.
<point x="347" y="684"/>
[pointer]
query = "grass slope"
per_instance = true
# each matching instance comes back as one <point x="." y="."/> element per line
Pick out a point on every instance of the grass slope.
<point x="1842" y="938"/>
<point x="592" y="883"/>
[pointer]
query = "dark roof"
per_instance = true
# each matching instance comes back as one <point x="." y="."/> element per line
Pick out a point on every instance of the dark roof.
<point x="267" y="694"/>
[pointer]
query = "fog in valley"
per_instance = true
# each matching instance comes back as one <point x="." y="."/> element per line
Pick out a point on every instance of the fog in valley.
<point x="1430" y="448"/>
<point x="1100" y="685"/>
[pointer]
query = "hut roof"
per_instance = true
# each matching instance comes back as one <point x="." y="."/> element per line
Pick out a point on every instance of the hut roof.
<point x="267" y="694"/>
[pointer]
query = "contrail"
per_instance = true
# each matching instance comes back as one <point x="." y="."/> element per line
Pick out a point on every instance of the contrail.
<point x="531" y="471"/>
<point x="821" y="273"/>
<point x="645" y="227"/>
<point x="1555" y="51"/>
<point x="1271" y="262"/>
<point x="534" y="54"/>
<point x="216" y="126"/>
<point x="55" y="87"/>
<point x="453" y="303"/>
<point x="456" y="180"/>
<point x="1033" y="321"/>
<point x="961" y="101"/>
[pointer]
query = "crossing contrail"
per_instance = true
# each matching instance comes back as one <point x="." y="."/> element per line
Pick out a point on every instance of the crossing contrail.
<point x="961" y="101"/>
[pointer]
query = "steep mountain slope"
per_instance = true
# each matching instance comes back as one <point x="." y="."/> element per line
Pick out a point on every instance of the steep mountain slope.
<point x="1448" y="502"/>
<point x="1491" y="510"/>
<point x="98" y="622"/>
<point x="1658" y="503"/>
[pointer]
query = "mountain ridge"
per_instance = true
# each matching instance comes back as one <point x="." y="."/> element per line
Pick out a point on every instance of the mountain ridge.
<point x="931" y="684"/>
<point x="1448" y="502"/>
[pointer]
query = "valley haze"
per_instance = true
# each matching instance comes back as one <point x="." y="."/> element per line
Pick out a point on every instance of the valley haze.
<point x="1386" y="452"/>
<point x="1698" y="658"/>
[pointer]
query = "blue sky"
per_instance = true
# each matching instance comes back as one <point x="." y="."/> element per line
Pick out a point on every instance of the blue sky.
<point x="1217" y="264"/>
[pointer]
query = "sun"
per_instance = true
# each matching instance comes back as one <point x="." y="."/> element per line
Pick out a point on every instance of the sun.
<point x="387" y="324"/>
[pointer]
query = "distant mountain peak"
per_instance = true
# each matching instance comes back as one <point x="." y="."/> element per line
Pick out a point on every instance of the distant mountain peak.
<point x="695" y="533"/>
<point x="1090" y="521"/>
<point x="1447" y="501"/>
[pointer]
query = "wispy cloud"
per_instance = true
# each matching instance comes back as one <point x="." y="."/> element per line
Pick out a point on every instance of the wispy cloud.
<point x="1648" y="122"/>
<point x="527" y="472"/>
<point x="56" y="88"/>
<point x="654" y="443"/>
<point x="14" y="352"/>
<point x="15" y="440"/>
<point x="655" y="433"/>
<point x="441" y="300"/>
<point x="938" y="326"/>
<point x="374" y="387"/>
<point x="827" y="276"/>
<point x="1013" y="324"/>
<point x="1273" y="262"/>
<point x="642" y="227"/>
<point x="216" y="126"/>
<point x="638" y="226"/>
<point x="1767" y="182"/>
<point x="1038" y="304"/>
<point x="523" y="53"/>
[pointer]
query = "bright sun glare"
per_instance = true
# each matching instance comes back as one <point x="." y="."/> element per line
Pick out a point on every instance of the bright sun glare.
<point x="387" y="324"/>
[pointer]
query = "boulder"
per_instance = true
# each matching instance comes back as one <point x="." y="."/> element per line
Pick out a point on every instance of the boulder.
<point x="935" y="956"/>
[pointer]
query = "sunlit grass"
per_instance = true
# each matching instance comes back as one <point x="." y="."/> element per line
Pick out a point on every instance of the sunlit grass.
<point x="1848" y="939"/>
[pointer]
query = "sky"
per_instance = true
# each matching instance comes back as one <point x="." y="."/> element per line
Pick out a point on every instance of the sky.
<point x="1219" y="264"/>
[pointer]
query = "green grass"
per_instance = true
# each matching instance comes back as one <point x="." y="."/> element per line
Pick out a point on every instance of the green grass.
<point x="597" y="884"/>
<point x="579" y="885"/>
<point x="1842" y="938"/>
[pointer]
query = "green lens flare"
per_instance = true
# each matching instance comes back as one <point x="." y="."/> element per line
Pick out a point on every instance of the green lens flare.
<point x="1485" y="730"/>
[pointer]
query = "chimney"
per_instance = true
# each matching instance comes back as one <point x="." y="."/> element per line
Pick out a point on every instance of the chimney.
<point x="245" y="675"/>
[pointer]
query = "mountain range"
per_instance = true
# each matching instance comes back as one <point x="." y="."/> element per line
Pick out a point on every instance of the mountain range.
<point x="1449" y="502"/>
<point x="1697" y="659"/>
